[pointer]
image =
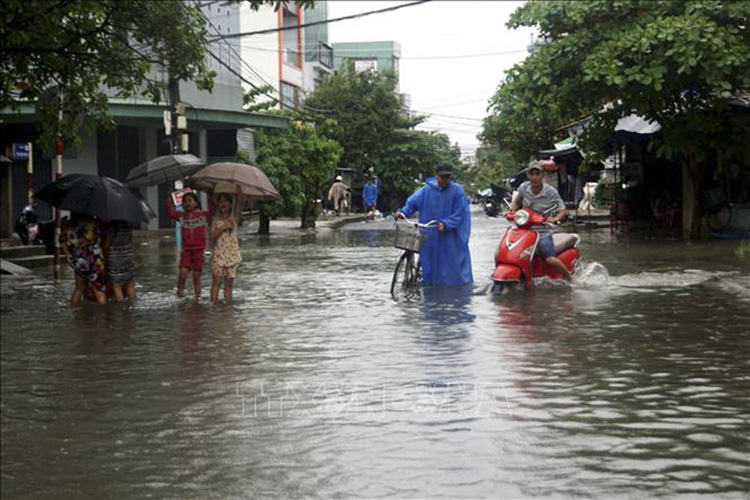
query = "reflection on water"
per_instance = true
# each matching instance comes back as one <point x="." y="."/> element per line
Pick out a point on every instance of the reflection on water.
<point x="632" y="383"/>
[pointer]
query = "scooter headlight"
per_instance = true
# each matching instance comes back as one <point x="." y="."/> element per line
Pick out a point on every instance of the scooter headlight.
<point x="521" y="217"/>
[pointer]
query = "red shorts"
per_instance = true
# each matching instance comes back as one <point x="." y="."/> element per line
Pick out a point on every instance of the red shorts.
<point x="192" y="259"/>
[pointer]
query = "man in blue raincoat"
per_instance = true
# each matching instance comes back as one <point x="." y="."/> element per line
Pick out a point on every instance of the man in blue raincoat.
<point x="445" y="254"/>
<point x="370" y="196"/>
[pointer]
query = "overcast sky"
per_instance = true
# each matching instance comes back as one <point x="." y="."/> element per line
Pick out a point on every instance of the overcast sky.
<point x="445" y="65"/>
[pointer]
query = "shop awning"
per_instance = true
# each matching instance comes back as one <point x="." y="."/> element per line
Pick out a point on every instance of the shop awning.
<point x="635" y="124"/>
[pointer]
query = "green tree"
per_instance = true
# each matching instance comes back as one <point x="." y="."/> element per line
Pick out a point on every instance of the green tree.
<point x="361" y="111"/>
<point x="491" y="166"/>
<point x="77" y="47"/>
<point x="299" y="163"/>
<point x="412" y="156"/>
<point x="674" y="62"/>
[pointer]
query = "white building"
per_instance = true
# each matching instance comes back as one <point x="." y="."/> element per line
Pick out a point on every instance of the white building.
<point x="289" y="58"/>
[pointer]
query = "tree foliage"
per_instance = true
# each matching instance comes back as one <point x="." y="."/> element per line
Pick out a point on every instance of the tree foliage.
<point x="491" y="166"/>
<point x="299" y="163"/>
<point x="669" y="61"/>
<point x="361" y="111"/>
<point x="80" y="47"/>
<point x="413" y="156"/>
<point x="366" y="110"/>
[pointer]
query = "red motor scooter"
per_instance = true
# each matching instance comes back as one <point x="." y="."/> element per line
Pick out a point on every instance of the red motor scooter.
<point x="517" y="261"/>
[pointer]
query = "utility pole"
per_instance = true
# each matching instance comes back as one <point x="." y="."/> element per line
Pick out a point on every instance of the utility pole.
<point x="59" y="148"/>
<point x="178" y="137"/>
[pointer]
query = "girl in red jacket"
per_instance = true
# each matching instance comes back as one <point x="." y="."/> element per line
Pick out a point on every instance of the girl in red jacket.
<point x="193" y="224"/>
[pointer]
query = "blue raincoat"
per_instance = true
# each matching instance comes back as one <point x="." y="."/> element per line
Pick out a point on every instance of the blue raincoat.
<point x="370" y="195"/>
<point x="445" y="256"/>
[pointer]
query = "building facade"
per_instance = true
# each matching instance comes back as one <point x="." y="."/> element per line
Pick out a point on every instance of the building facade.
<point x="383" y="57"/>
<point x="217" y="128"/>
<point x="280" y="54"/>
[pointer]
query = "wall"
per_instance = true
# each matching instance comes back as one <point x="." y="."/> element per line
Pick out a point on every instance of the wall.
<point x="259" y="51"/>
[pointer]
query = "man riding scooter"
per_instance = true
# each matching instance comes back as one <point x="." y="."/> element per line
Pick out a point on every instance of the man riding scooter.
<point x="543" y="199"/>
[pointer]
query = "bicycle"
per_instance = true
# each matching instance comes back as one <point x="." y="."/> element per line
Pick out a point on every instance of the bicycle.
<point x="410" y="237"/>
<point x="719" y="216"/>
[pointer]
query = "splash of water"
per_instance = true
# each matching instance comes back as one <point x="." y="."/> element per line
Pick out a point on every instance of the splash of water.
<point x="591" y="274"/>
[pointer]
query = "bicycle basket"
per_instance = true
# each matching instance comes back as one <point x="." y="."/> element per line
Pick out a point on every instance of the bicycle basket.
<point x="409" y="237"/>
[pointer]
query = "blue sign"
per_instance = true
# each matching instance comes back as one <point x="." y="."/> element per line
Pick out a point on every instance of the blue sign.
<point x="21" y="151"/>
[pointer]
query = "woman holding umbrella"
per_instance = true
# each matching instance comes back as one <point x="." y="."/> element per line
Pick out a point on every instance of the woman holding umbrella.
<point x="92" y="199"/>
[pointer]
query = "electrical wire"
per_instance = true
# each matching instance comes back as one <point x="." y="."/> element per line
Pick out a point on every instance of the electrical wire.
<point x="348" y="52"/>
<point x="421" y="112"/>
<point x="326" y="21"/>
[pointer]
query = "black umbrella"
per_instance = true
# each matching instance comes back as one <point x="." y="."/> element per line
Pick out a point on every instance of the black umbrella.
<point x="163" y="169"/>
<point x="102" y="197"/>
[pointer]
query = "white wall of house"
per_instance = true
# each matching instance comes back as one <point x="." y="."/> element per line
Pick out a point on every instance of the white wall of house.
<point x="260" y="52"/>
<point x="81" y="160"/>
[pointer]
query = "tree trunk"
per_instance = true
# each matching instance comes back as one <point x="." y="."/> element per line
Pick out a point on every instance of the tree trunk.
<point x="692" y="194"/>
<point x="264" y="224"/>
<point x="307" y="215"/>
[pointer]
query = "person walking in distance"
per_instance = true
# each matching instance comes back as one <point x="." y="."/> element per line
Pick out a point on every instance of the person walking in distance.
<point x="370" y="196"/>
<point x="337" y="194"/>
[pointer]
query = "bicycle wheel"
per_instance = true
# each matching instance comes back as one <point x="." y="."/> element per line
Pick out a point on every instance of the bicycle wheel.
<point x="405" y="275"/>
<point x="719" y="218"/>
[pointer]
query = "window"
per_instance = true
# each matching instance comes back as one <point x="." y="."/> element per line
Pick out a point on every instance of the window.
<point x="361" y="65"/>
<point x="290" y="38"/>
<point x="326" y="55"/>
<point x="289" y="96"/>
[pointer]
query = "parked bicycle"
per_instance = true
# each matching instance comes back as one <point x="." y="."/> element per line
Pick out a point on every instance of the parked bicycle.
<point x="410" y="236"/>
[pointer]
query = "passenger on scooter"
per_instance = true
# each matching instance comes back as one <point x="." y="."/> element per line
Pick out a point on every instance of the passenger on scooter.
<point x="543" y="199"/>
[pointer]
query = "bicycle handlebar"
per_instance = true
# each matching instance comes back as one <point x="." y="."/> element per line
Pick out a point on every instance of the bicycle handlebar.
<point x="432" y="223"/>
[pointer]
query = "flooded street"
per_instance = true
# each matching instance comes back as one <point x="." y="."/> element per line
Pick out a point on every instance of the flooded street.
<point x="634" y="383"/>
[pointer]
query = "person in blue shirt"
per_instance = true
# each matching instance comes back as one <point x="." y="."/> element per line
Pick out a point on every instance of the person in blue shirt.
<point x="370" y="196"/>
<point x="445" y="256"/>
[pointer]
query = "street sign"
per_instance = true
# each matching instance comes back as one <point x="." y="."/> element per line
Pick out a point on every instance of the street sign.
<point x="167" y="123"/>
<point x="21" y="151"/>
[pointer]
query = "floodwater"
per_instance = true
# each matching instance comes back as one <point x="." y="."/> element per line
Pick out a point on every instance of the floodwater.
<point x="634" y="383"/>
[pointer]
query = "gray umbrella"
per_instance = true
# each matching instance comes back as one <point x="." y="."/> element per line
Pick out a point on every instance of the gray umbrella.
<point x="163" y="169"/>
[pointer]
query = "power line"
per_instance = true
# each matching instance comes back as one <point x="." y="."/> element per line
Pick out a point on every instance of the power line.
<point x="446" y="116"/>
<point x="348" y="53"/>
<point x="460" y="96"/>
<point x="326" y="21"/>
<point x="460" y="103"/>
<point x="465" y="56"/>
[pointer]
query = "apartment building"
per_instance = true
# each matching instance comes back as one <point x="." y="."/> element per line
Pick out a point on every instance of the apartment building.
<point x="279" y="52"/>
<point x="372" y="56"/>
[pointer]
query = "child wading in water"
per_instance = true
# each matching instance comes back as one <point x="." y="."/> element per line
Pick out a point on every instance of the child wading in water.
<point x="81" y="240"/>
<point x="193" y="224"/>
<point x="226" y="256"/>
<point x="118" y="245"/>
